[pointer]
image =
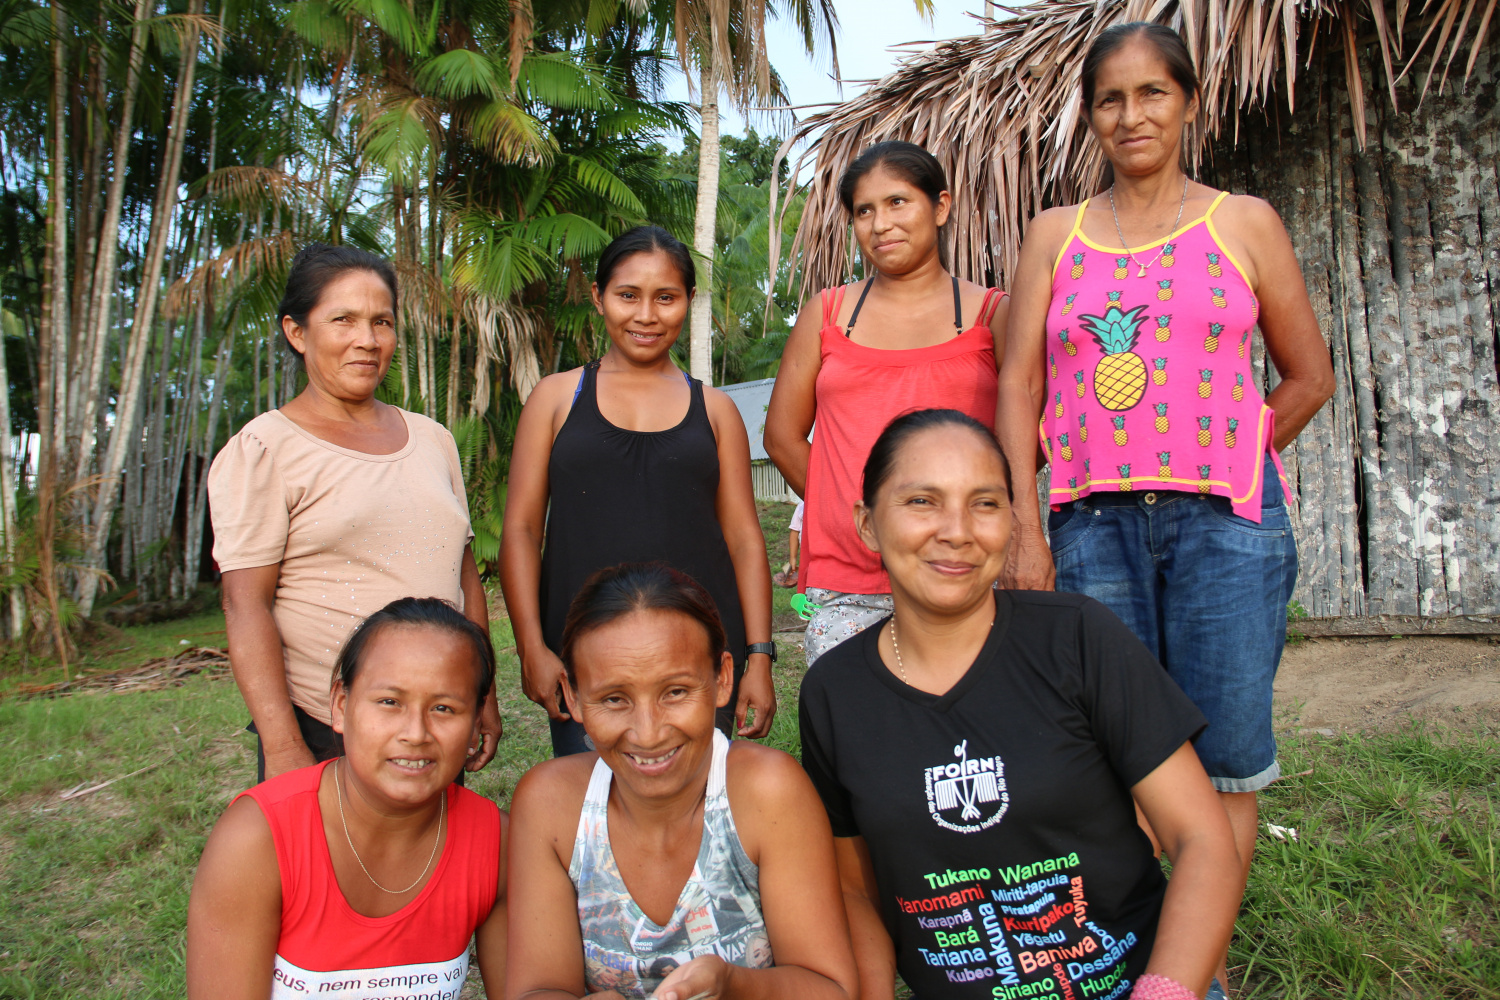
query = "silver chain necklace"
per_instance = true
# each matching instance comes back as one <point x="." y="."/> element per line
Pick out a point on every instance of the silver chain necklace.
<point x="1141" y="273"/>
<point x="442" y="815"/>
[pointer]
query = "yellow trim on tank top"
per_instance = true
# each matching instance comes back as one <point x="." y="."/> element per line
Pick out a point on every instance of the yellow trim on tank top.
<point x="1083" y="238"/>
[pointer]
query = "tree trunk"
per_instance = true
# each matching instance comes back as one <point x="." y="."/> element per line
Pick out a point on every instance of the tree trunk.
<point x="701" y="329"/>
<point x="8" y="502"/>
<point x="96" y="330"/>
<point x="54" y="295"/>
<point x="145" y="313"/>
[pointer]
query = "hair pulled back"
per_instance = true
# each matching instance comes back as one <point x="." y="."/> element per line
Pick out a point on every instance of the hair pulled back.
<point x="645" y="239"/>
<point x="314" y="267"/>
<point x="888" y="446"/>
<point x="419" y="612"/>
<point x="906" y="160"/>
<point x="1167" y="42"/>
<point x="617" y="591"/>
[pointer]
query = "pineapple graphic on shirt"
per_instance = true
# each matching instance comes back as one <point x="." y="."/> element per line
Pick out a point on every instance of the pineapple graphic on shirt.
<point x="1218" y="297"/>
<point x="1083" y="433"/>
<point x="1069" y="347"/>
<point x="1238" y="392"/>
<point x="1120" y="436"/>
<point x="1077" y="271"/>
<point x="1164" y="470"/>
<point x="1066" y="449"/>
<point x="1125" y="484"/>
<point x="1057" y="408"/>
<point x="1164" y="290"/>
<point x="1159" y="375"/>
<point x="1229" y="435"/>
<point x="1169" y="255"/>
<point x="1052" y="366"/>
<point x="1068" y="305"/>
<point x="1072" y="487"/>
<point x="1215" y="269"/>
<point x="1205" y="437"/>
<point x="1205" y="383"/>
<point x="1078" y="384"/>
<point x="1203" y="471"/>
<point x="1243" y="338"/>
<point x="1163" y="328"/>
<point x="1120" y="376"/>
<point x="1161" y="419"/>
<point x="1121" y="264"/>
<point x="1211" y="342"/>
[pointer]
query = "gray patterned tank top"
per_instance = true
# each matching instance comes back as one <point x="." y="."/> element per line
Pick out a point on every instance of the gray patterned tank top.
<point x="717" y="913"/>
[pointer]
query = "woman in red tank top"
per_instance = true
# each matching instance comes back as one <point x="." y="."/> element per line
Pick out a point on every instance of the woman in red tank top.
<point x="365" y="877"/>
<point x="911" y="351"/>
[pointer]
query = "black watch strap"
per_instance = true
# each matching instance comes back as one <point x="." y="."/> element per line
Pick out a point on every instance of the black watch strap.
<point x="769" y="648"/>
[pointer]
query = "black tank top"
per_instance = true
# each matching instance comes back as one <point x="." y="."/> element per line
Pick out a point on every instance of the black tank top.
<point x="634" y="496"/>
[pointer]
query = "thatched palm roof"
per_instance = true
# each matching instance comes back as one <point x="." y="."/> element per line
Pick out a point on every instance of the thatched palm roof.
<point x="999" y="109"/>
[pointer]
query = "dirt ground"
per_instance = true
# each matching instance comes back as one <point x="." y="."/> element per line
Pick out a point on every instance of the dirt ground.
<point x="1378" y="683"/>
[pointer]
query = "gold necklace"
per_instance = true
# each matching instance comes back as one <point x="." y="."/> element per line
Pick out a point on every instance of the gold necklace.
<point x="1141" y="272"/>
<point x="442" y="815"/>
<point x="897" y="647"/>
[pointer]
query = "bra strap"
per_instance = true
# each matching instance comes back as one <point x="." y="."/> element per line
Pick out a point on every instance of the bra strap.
<point x="859" y="305"/>
<point x="1221" y="197"/>
<point x="958" y="309"/>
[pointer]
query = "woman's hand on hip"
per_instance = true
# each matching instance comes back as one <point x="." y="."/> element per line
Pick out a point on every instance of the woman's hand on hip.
<point x="758" y="692"/>
<point x="542" y="677"/>
<point x="1029" y="564"/>
<point x="490" y="731"/>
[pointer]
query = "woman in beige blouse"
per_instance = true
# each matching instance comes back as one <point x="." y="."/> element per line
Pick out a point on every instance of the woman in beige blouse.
<point x="331" y="507"/>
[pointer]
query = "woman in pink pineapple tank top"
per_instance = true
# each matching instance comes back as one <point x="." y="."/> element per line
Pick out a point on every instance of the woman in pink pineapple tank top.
<point x="1130" y="354"/>
<point x="924" y="339"/>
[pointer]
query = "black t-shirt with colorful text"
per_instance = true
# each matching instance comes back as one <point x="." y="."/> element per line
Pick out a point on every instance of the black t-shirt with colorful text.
<point x="998" y="815"/>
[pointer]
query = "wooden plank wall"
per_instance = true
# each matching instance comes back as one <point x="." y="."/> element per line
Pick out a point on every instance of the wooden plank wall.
<point x="1398" y="479"/>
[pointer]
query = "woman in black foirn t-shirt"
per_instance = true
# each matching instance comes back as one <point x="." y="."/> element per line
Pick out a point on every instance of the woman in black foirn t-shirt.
<point x="978" y="753"/>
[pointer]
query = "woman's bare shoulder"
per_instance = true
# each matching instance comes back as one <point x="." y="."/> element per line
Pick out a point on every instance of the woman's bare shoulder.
<point x="554" y="789"/>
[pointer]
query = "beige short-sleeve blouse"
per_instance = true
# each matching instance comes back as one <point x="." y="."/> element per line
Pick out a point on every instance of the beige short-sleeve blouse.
<point x="351" y="531"/>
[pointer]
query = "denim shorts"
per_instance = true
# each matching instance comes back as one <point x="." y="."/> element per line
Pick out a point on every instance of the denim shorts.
<point x="1206" y="590"/>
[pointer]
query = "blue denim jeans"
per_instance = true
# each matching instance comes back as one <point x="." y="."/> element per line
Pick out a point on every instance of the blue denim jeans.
<point x="1206" y="590"/>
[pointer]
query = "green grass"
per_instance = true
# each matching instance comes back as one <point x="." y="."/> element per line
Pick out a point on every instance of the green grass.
<point x="1392" y="888"/>
<point x="1391" y="891"/>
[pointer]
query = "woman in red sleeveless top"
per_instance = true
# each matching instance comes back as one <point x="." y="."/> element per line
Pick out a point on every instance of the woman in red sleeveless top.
<point x="365" y="877"/>
<point x="854" y="362"/>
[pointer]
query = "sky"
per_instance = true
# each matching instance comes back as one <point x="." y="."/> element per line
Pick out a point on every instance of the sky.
<point x="867" y="31"/>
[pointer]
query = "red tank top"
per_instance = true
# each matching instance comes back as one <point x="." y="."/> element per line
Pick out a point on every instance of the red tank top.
<point x="328" y="949"/>
<point x="859" y="391"/>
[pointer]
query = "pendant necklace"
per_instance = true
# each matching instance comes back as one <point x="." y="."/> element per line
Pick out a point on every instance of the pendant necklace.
<point x="897" y="647"/>
<point x="1141" y="273"/>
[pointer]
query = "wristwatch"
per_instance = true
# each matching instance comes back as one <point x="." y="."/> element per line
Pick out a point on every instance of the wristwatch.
<point x="769" y="648"/>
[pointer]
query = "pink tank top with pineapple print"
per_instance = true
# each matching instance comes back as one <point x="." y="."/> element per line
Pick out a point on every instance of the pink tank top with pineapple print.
<point x="1149" y="384"/>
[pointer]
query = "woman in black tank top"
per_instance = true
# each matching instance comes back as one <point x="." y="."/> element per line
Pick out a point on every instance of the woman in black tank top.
<point x="629" y="459"/>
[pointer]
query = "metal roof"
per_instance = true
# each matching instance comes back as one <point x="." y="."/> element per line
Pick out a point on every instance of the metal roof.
<point x="752" y="399"/>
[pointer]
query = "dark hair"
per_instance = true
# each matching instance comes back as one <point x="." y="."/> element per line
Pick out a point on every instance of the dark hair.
<point x="1168" y="43"/>
<point x="615" y="592"/>
<point x="313" y="268"/>
<point x="645" y="239"/>
<point x="418" y="612"/>
<point x="888" y="445"/>
<point x="906" y="160"/>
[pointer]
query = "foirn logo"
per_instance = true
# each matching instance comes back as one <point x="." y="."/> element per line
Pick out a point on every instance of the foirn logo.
<point x="967" y="796"/>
